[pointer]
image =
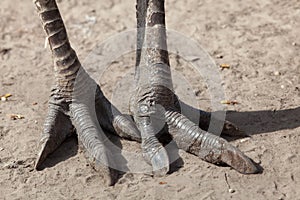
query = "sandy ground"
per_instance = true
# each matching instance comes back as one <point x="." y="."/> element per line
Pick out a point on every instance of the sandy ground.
<point x="259" y="39"/>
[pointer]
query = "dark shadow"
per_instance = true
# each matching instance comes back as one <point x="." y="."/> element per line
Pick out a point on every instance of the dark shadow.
<point x="176" y="162"/>
<point x="119" y="160"/>
<point x="251" y="122"/>
<point x="265" y="121"/>
<point x="65" y="151"/>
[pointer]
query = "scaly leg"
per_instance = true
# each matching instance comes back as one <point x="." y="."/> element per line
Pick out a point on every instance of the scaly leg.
<point x="68" y="109"/>
<point x="77" y="101"/>
<point x="155" y="106"/>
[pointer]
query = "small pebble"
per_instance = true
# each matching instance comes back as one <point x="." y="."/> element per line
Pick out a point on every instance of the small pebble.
<point x="244" y="140"/>
<point x="1" y="149"/>
<point x="162" y="183"/>
<point x="3" y="99"/>
<point x="294" y="44"/>
<point x="225" y="66"/>
<point x="277" y="73"/>
<point x="282" y="86"/>
<point x="231" y="190"/>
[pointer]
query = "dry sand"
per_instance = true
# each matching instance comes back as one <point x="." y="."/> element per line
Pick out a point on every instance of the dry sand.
<point x="259" y="39"/>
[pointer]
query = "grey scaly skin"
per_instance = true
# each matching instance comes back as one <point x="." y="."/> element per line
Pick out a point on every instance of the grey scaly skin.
<point x="155" y="102"/>
<point x="67" y="111"/>
<point x="154" y="106"/>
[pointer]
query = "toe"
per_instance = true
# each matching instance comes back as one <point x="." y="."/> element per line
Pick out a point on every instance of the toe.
<point x="57" y="128"/>
<point x="207" y="146"/>
<point x="156" y="155"/>
<point x="238" y="160"/>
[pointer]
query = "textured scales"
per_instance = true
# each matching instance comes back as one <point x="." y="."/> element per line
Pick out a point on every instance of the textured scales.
<point x="155" y="100"/>
<point x="154" y="82"/>
<point x="66" y="111"/>
<point x="154" y="106"/>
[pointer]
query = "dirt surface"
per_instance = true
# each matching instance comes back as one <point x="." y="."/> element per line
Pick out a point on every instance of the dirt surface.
<point x="258" y="39"/>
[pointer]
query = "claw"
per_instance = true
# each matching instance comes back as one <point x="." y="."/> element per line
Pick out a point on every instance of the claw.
<point x="155" y="154"/>
<point x="150" y="121"/>
<point x="105" y="166"/>
<point x="217" y="150"/>
<point x="94" y="142"/>
<point x="237" y="160"/>
<point x="207" y="146"/>
<point x="57" y="128"/>
<point x="160" y="162"/>
<point x="153" y="151"/>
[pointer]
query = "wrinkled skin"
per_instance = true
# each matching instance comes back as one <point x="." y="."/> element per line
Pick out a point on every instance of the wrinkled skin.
<point x="154" y="106"/>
